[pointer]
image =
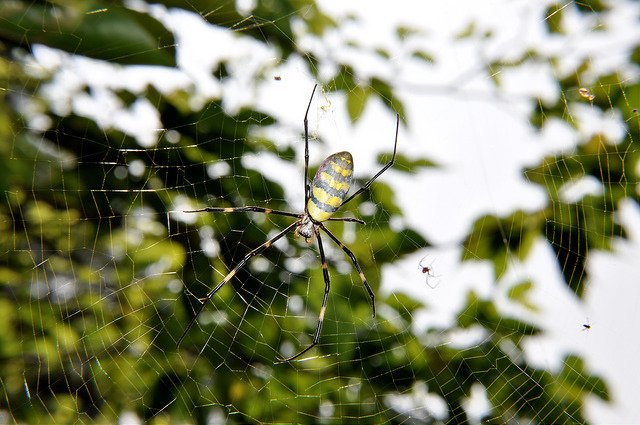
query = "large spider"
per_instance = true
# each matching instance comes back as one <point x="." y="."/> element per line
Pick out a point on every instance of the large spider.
<point x="322" y="199"/>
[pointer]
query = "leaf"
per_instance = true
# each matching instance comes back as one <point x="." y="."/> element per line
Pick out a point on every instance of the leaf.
<point x="383" y="53"/>
<point x="343" y="80"/>
<point x="96" y="29"/>
<point x="356" y="101"/>
<point x="467" y="32"/>
<point x="496" y="239"/>
<point x="520" y="293"/>
<point x="553" y="18"/>
<point x="384" y="91"/>
<point x="424" y="56"/>
<point x="404" y="32"/>
<point x="404" y="164"/>
<point x="485" y="313"/>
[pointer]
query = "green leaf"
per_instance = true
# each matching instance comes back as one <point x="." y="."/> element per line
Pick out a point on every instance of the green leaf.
<point x="467" y="32"/>
<point x="405" y="164"/>
<point x="485" y="313"/>
<point x="383" y="53"/>
<point x="520" y="293"/>
<point x="356" y="101"/>
<point x="591" y="6"/>
<point x="553" y="18"/>
<point x="343" y="80"/>
<point x="423" y="56"/>
<point x="498" y="239"/>
<point x="404" y="32"/>
<point x="95" y="28"/>
<point x="384" y="91"/>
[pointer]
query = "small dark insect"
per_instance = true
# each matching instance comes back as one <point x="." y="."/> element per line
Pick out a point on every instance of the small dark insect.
<point x="586" y="326"/>
<point x="428" y="270"/>
<point x="277" y="77"/>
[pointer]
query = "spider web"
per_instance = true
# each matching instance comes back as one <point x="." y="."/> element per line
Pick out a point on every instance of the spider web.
<point x="515" y="183"/>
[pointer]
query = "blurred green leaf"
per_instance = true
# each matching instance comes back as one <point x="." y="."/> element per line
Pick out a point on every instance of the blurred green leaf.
<point x="467" y="32"/>
<point x="498" y="239"/>
<point x="384" y="91"/>
<point x="484" y="313"/>
<point x="405" y="164"/>
<point x="97" y="29"/>
<point x="423" y="56"/>
<point x="356" y="101"/>
<point x="404" y="32"/>
<point x="520" y="293"/>
<point x="553" y="18"/>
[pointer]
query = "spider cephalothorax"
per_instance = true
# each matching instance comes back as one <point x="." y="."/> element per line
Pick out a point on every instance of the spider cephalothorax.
<point x="306" y="228"/>
<point x="322" y="199"/>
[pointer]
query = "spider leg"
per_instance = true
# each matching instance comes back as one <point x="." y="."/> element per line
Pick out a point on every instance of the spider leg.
<point x="327" y="286"/>
<point x="245" y="209"/>
<point x="306" y="150"/>
<point x="354" y="260"/>
<point x="350" y="219"/>
<point x="232" y="273"/>
<point x="389" y="164"/>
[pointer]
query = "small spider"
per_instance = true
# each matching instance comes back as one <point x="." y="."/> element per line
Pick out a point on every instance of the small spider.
<point x="428" y="270"/>
<point x="586" y="93"/>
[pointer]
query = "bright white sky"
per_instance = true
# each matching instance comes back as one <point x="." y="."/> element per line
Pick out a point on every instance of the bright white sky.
<point x="478" y="134"/>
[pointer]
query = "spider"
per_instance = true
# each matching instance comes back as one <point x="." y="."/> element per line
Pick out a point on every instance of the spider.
<point x="324" y="197"/>
<point x="428" y="270"/>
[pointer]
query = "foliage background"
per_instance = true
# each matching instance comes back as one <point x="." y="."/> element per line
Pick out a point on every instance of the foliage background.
<point x="100" y="270"/>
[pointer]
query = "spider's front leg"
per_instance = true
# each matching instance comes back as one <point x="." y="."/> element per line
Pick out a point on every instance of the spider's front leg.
<point x="232" y="273"/>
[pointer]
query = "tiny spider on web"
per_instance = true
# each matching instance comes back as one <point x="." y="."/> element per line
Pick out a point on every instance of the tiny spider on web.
<point x="427" y="269"/>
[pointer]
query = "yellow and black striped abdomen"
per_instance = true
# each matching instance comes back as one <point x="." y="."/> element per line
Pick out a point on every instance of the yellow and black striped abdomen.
<point x="330" y="186"/>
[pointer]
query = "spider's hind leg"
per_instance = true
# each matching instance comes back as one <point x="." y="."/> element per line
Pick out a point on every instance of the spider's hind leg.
<point x="323" y="309"/>
<point x="354" y="260"/>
